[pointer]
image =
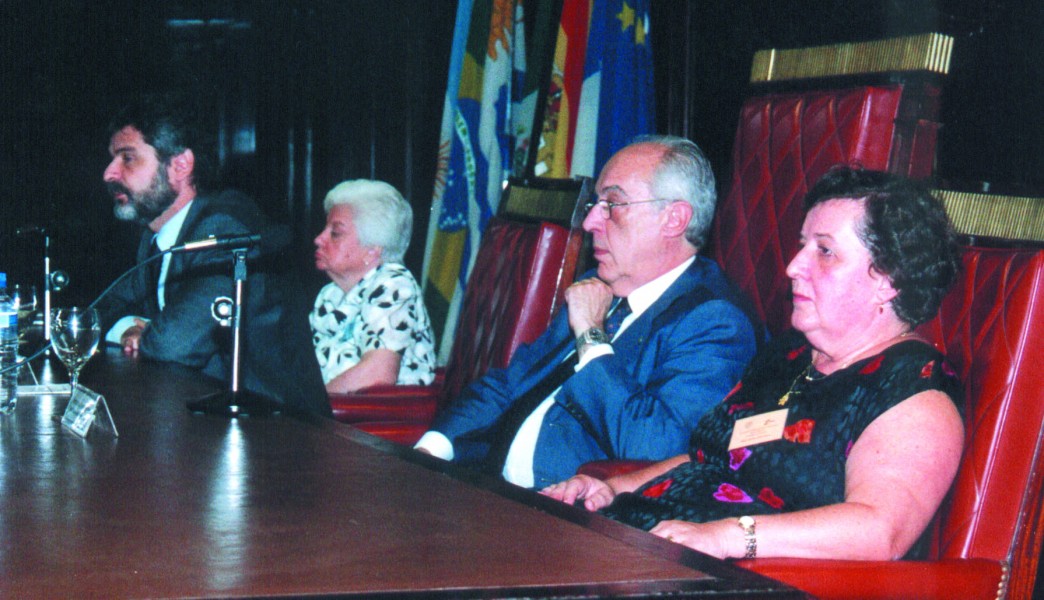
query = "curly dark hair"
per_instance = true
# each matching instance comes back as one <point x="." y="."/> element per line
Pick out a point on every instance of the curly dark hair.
<point x="171" y="124"/>
<point x="910" y="238"/>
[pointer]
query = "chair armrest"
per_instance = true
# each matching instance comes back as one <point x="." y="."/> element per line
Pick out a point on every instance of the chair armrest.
<point x="604" y="469"/>
<point x="407" y="403"/>
<point x="879" y="580"/>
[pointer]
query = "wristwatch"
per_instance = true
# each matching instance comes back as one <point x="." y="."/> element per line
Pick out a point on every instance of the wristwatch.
<point x="747" y="524"/>
<point x="591" y="337"/>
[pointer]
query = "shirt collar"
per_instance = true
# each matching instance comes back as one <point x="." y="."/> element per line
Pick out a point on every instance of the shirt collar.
<point x="168" y="234"/>
<point x="643" y="297"/>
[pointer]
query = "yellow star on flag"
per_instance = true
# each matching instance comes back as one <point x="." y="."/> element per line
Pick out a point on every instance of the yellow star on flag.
<point x="627" y="20"/>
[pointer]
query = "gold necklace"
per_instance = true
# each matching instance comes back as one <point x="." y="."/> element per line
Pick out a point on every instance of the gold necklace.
<point x="806" y="374"/>
<point x="803" y="374"/>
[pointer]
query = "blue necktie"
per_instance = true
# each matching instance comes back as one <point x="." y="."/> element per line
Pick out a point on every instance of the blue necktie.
<point x="616" y="317"/>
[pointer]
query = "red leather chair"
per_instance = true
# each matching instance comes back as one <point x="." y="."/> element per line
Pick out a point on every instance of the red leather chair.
<point x="527" y="257"/>
<point x="987" y="537"/>
<point x="789" y="134"/>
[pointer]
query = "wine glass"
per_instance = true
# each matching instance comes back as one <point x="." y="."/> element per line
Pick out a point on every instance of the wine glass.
<point x="75" y="333"/>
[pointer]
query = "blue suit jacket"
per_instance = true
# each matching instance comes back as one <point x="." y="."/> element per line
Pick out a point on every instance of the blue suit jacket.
<point x="676" y="360"/>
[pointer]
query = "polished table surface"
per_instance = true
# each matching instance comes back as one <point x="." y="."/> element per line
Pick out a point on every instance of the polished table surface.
<point x="187" y="505"/>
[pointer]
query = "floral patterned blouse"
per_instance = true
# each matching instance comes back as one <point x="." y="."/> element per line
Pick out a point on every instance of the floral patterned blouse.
<point x="806" y="468"/>
<point x="384" y="310"/>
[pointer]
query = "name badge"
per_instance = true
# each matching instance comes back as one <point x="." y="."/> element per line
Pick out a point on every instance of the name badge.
<point x="766" y="427"/>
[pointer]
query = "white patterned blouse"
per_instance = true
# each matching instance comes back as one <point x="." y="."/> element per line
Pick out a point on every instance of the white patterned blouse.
<point x="384" y="310"/>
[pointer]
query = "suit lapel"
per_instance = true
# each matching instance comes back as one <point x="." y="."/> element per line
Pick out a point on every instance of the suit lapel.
<point x="637" y="333"/>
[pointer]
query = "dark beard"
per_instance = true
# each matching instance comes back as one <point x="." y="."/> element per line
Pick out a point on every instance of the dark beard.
<point x="145" y="206"/>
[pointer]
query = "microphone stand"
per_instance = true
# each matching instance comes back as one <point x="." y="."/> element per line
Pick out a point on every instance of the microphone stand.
<point x="235" y="402"/>
<point x="47" y="292"/>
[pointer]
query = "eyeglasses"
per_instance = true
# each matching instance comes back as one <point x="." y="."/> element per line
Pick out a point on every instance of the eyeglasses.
<point x="607" y="206"/>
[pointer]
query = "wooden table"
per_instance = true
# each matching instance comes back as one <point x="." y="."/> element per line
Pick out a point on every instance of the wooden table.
<point x="184" y="505"/>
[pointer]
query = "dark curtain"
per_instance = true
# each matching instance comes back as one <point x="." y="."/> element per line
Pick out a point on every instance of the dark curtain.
<point x="302" y="95"/>
<point x="991" y="100"/>
<point x="306" y="93"/>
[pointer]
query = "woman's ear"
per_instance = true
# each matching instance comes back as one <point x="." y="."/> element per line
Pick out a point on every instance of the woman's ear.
<point x="884" y="292"/>
<point x="375" y="254"/>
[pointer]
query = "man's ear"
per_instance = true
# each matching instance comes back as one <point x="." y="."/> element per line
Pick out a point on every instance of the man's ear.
<point x="677" y="216"/>
<point x="181" y="166"/>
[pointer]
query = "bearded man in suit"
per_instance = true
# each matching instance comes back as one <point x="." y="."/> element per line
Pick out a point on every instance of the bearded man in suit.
<point x="161" y="177"/>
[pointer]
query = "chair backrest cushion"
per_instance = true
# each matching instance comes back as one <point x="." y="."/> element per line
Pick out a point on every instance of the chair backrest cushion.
<point x="990" y="326"/>
<point x="519" y="276"/>
<point x="784" y="143"/>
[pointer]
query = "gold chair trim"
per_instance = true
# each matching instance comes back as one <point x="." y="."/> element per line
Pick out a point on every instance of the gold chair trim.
<point x="925" y="52"/>
<point x="1006" y="217"/>
<point x="555" y="205"/>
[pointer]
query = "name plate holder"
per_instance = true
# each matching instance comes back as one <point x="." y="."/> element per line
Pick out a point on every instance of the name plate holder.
<point x="84" y="407"/>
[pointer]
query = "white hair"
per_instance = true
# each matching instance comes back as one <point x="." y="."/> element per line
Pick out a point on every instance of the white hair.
<point x="382" y="217"/>
<point x="684" y="173"/>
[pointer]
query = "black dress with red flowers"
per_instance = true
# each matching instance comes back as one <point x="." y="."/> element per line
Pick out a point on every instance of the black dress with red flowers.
<point x="806" y="468"/>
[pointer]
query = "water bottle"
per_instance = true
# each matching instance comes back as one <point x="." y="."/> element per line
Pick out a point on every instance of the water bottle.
<point x="8" y="349"/>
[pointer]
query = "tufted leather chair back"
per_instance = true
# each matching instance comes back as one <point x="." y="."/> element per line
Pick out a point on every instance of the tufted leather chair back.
<point x="784" y="142"/>
<point x="527" y="257"/>
<point x="510" y="295"/>
<point x="990" y="326"/>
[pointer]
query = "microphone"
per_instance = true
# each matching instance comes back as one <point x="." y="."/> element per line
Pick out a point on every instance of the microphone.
<point x="274" y="239"/>
<point x="245" y="240"/>
<point x="58" y="280"/>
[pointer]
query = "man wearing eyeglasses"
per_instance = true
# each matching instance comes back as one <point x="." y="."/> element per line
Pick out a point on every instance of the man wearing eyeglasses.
<point x="647" y="344"/>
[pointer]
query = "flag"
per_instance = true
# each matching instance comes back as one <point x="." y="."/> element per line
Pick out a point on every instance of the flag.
<point x="614" y="102"/>
<point x="617" y="101"/>
<point x="534" y="49"/>
<point x="475" y="148"/>
<point x="563" y="92"/>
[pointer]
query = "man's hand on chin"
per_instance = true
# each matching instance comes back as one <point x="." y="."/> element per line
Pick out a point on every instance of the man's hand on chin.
<point x="589" y="301"/>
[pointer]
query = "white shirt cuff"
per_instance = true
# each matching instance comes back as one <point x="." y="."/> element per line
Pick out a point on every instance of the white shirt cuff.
<point x="115" y="335"/>
<point x="436" y="444"/>
<point x="592" y="352"/>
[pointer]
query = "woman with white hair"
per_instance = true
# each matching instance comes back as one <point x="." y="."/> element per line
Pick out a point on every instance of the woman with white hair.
<point x="369" y="324"/>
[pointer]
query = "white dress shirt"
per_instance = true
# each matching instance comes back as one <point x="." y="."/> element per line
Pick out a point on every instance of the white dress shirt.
<point x="165" y="238"/>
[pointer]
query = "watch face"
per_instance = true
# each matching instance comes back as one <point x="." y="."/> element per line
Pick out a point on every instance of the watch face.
<point x="594" y="336"/>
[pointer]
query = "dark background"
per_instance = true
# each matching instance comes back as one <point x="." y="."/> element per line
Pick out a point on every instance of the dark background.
<point x="304" y="94"/>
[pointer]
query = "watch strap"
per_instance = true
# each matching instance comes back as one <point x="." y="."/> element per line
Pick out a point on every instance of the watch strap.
<point x="748" y="524"/>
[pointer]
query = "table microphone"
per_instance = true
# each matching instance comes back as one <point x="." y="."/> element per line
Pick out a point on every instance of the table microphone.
<point x="274" y="239"/>
<point x="246" y="240"/>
